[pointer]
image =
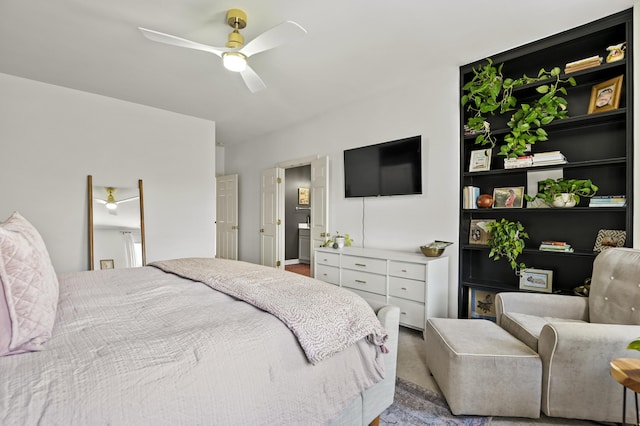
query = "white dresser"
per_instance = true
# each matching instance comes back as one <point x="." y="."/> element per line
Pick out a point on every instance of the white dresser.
<point x="415" y="283"/>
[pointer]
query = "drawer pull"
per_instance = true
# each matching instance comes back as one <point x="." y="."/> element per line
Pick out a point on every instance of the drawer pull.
<point x="361" y="265"/>
<point x="404" y="288"/>
<point x="404" y="270"/>
<point x="324" y="274"/>
<point x="361" y="282"/>
<point x="403" y="313"/>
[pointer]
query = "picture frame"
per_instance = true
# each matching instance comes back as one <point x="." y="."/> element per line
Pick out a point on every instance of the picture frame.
<point x="536" y="280"/>
<point x="508" y="197"/>
<point x="479" y="232"/>
<point x="605" y="96"/>
<point x="608" y="238"/>
<point x="106" y="264"/>
<point x="482" y="304"/>
<point x="303" y="196"/>
<point x="480" y="160"/>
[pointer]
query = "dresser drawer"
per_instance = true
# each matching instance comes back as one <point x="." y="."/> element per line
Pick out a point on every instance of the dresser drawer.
<point x="373" y="283"/>
<point x="375" y="300"/>
<point x="330" y="274"/>
<point x="376" y="266"/>
<point x="331" y="259"/>
<point x="414" y="271"/>
<point x="407" y="289"/>
<point x="411" y="313"/>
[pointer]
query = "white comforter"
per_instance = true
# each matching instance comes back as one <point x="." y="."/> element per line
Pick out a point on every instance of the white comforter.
<point x="143" y="347"/>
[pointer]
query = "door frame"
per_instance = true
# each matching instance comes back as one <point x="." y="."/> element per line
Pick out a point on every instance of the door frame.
<point x="289" y="164"/>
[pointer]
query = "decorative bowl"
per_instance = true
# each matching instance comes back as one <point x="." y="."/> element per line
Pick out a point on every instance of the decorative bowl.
<point x="431" y="251"/>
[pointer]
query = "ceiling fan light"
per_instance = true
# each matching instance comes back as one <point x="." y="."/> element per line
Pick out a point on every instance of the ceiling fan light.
<point x="234" y="61"/>
<point x="111" y="206"/>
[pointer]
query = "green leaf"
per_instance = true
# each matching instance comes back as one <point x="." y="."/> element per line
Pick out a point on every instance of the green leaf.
<point x="635" y="345"/>
<point x="542" y="89"/>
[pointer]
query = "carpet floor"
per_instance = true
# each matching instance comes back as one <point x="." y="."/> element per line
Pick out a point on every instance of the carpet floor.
<point x="415" y="405"/>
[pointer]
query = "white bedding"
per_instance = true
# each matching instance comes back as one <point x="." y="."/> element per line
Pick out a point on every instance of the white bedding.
<point x="143" y="347"/>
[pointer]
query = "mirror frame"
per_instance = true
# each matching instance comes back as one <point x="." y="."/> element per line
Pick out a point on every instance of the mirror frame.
<point x="91" y="240"/>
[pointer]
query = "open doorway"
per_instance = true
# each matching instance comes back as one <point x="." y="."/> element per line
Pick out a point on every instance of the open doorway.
<point x="297" y="207"/>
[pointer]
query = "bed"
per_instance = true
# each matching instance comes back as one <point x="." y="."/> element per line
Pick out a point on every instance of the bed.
<point x="153" y="346"/>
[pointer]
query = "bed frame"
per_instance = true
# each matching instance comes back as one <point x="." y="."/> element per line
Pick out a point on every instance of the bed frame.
<point x="366" y="409"/>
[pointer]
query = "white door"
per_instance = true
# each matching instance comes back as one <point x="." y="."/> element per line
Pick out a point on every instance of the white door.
<point x="271" y="218"/>
<point x="319" y="204"/>
<point x="227" y="217"/>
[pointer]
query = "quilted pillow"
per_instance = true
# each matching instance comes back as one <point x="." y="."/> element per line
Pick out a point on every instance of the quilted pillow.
<point x="29" y="288"/>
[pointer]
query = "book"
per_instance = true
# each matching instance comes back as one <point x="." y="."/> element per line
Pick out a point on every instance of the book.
<point x="608" y="201"/>
<point x="558" y="246"/>
<point x="583" y="64"/>
<point x="554" y="243"/>
<point x="579" y="62"/>
<point x="470" y="196"/>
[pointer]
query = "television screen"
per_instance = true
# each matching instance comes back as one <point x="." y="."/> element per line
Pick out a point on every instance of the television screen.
<point x="390" y="168"/>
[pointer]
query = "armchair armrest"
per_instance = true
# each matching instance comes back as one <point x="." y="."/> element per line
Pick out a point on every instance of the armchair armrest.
<point x="542" y="305"/>
<point x="576" y="380"/>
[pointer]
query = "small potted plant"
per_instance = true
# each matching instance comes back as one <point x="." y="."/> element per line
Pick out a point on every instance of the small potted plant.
<point x="563" y="192"/>
<point x="338" y="241"/>
<point x="506" y="239"/>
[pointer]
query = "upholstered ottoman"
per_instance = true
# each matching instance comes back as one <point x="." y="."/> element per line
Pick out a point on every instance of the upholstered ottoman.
<point x="482" y="369"/>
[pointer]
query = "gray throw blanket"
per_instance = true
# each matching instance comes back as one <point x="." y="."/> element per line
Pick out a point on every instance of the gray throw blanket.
<point x="325" y="318"/>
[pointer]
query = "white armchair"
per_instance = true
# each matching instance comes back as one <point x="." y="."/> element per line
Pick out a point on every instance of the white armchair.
<point x="576" y="337"/>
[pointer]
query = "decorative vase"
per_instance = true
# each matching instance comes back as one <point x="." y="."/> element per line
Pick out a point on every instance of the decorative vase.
<point x="484" y="201"/>
<point x="564" y="200"/>
<point x="340" y="242"/>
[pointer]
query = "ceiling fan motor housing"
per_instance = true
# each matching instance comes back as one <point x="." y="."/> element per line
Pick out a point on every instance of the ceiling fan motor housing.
<point x="237" y="19"/>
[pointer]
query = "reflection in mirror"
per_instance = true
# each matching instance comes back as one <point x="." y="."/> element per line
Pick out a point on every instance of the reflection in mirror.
<point x="116" y="226"/>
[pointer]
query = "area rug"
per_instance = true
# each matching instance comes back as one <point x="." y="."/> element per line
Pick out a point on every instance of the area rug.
<point x="414" y="405"/>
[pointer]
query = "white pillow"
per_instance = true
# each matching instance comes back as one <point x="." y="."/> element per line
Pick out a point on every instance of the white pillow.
<point x="29" y="285"/>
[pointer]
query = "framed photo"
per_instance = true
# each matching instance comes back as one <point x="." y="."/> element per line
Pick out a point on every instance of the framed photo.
<point x="608" y="238"/>
<point x="536" y="280"/>
<point x="303" y="196"/>
<point x="482" y="304"/>
<point x="508" y="198"/>
<point x="605" y="96"/>
<point x="479" y="231"/>
<point x="106" y="263"/>
<point x="480" y="160"/>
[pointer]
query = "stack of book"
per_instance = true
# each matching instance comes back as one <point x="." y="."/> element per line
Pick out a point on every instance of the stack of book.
<point x="548" y="158"/>
<point x="534" y="160"/>
<point x="559" y="246"/>
<point x="608" y="201"/>
<point x="583" y="64"/>
<point x="470" y="196"/>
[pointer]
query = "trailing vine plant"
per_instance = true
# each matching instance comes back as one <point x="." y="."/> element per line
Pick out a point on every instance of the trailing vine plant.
<point x="506" y="239"/>
<point x="489" y="92"/>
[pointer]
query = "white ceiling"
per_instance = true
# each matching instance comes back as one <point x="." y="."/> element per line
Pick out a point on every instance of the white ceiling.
<point x="353" y="50"/>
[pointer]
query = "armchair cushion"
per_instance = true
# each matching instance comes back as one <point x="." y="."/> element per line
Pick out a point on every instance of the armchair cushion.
<point x="614" y="296"/>
<point x="527" y="328"/>
<point x="576" y="381"/>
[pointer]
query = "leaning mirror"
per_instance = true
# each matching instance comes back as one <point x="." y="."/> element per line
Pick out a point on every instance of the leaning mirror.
<point x="116" y="226"/>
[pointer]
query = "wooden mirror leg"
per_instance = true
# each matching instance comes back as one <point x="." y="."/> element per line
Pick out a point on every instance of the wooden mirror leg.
<point x="375" y="422"/>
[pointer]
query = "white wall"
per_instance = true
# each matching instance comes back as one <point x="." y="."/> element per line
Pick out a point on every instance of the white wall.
<point x="428" y="108"/>
<point x="52" y="137"/>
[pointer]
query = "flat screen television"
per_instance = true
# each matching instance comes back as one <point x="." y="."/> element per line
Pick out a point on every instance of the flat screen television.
<point x="389" y="168"/>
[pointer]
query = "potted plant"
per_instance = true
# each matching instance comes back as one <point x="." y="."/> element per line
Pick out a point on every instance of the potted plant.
<point x="489" y="92"/>
<point x="563" y="192"/>
<point x="338" y="241"/>
<point x="506" y="239"/>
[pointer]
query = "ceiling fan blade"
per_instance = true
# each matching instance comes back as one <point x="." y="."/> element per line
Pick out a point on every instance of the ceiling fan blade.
<point x="98" y="200"/>
<point x="181" y="42"/>
<point x="252" y="80"/>
<point x="124" y="200"/>
<point x="285" y="32"/>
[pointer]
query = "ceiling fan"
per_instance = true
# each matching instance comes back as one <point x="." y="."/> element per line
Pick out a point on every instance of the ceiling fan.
<point x="235" y="54"/>
<point x="110" y="203"/>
